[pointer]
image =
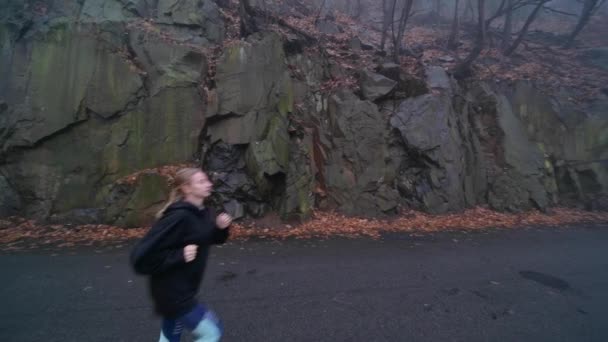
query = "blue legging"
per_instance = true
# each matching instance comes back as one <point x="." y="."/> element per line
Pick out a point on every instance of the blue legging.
<point x="203" y="323"/>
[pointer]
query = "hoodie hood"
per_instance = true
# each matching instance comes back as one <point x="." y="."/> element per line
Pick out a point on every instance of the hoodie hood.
<point x="183" y="205"/>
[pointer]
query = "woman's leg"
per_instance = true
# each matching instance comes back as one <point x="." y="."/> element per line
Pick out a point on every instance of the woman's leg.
<point x="171" y="330"/>
<point x="203" y="323"/>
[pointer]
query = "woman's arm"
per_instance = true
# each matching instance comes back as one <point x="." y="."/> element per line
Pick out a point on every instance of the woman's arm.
<point x="221" y="229"/>
<point x="155" y="262"/>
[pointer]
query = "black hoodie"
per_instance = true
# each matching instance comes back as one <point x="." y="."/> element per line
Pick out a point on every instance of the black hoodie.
<point x="174" y="283"/>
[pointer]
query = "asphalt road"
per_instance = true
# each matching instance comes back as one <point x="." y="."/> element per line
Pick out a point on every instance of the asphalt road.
<point x="547" y="284"/>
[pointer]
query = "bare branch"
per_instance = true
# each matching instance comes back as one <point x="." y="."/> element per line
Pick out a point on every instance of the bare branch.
<point x="464" y="68"/>
<point x="553" y="10"/>
<point x="453" y="40"/>
<point x="524" y="30"/>
<point x="590" y="7"/>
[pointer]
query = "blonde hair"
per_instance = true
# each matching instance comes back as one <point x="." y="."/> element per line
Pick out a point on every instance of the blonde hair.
<point x="182" y="176"/>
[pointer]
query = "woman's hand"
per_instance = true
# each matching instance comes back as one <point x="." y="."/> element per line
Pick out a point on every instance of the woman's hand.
<point x="223" y="220"/>
<point x="190" y="252"/>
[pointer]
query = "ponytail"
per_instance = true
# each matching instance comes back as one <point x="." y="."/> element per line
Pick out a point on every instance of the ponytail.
<point x="182" y="177"/>
<point x="173" y="197"/>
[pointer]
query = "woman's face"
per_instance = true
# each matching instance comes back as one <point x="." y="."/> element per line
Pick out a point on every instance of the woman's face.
<point x="199" y="187"/>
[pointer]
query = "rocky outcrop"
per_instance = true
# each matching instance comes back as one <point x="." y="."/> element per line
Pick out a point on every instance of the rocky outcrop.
<point x="92" y="96"/>
<point x="356" y="159"/>
<point x="375" y="86"/>
<point x="573" y="142"/>
<point x="95" y="91"/>
<point x="434" y="160"/>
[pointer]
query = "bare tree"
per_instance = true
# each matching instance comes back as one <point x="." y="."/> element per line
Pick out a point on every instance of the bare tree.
<point x="454" y="36"/>
<point x="406" y="11"/>
<point x="590" y="7"/>
<point x="359" y="9"/>
<point x="321" y="7"/>
<point x="469" y="12"/>
<point x="508" y="27"/>
<point x="437" y="8"/>
<point x="499" y="11"/>
<point x="388" y="9"/>
<point x="464" y="67"/>
<point x="509" y="7"/>
<point x="247" y="15"/>
<point x="524" y="30"/>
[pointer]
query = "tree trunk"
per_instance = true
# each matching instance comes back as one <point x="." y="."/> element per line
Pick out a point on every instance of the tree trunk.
<point x="320" y="12"/>
<point x="388" y="7"/>
<point x="454" y="36"/>
<point x="469" y="12"/>
<point x="358" y="11"/>
<point x="524" y="30"/>
<point x="464" y="68"/>
<point x="497" y="14"/>
<point x="508" y="29"/>
<point x="437" y="9"/>
<point x="397" y="39"/>
<point x="248" y="25"/>
<point x="589" y="8"/>
<point x="509" y="9"/>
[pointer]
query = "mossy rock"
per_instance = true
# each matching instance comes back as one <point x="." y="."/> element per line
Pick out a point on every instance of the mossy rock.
<point x="148" y="196"/>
